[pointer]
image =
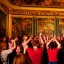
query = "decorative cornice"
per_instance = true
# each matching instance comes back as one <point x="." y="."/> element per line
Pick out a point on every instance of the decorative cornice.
<point x="36" y="12"/>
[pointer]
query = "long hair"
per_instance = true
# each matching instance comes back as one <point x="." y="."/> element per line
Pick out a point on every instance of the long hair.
<point x="20" y="59"/>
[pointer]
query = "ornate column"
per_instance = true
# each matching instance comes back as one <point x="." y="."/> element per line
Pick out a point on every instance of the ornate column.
<point x="35" y="26"/>
<point x="56" y="26"/>
<point x="10" y="26"/>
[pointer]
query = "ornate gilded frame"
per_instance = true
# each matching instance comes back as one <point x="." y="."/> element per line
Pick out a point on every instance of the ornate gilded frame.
<point x="16" y="16"/>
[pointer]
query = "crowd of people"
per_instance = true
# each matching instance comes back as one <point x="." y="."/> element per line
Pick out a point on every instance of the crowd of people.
<point x="42" y="49"/>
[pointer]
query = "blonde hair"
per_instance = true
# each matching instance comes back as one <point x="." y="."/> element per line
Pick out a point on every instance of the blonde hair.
<point x="20" y="59"/>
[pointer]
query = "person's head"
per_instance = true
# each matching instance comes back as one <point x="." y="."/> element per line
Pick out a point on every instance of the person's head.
<point x="35" y="44"/>
<point x="18" y="49"/>
<point x="3" y="45"/>
<point x="20" y="59"/>
<point x="35" y="37"/>
<point x="52" y="45"/>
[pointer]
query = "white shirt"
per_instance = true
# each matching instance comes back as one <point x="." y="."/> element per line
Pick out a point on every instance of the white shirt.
<point x="4" y="55"/>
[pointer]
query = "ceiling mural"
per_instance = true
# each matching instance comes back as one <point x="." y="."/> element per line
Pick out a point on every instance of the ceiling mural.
<point x="44" y="3"/>
<point x="32" y="12"/>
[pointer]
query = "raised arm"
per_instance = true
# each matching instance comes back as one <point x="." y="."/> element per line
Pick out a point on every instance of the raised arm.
<point x="58" y="44"/>
<point x="48" y="43"/>
<point x="13" y="45"/>
<point x="41" y="40"/>
<point x="27" y="41"/>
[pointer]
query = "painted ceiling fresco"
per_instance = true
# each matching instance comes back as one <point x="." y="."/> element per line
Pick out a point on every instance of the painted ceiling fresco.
<point x="42" y="3"/>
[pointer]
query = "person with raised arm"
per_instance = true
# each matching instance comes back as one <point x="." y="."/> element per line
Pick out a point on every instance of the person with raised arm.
<point x="35" y="53"/>
<point x="53" y="47"/>
<point x="5" y="52"/>
<point x="11" y="41"/>
<point x="25" y="41"/>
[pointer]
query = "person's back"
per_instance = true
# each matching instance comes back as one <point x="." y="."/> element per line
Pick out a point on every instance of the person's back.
<point x="35" y="56"/>
<point x="5" y="52"/>
<point x="53" y="47"/>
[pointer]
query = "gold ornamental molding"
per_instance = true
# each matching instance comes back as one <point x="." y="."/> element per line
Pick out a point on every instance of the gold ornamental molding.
<point x="36" y="12"/>
<point x="32" y="11"/>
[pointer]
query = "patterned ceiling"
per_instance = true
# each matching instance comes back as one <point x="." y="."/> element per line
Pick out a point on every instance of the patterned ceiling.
<point x="42" y="3"/>
<point x="19" y="7"/>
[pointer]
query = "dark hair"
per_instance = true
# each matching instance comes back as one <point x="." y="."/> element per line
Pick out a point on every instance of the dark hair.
<point x="35" y="42"/>
<point x="52" y="45"/>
